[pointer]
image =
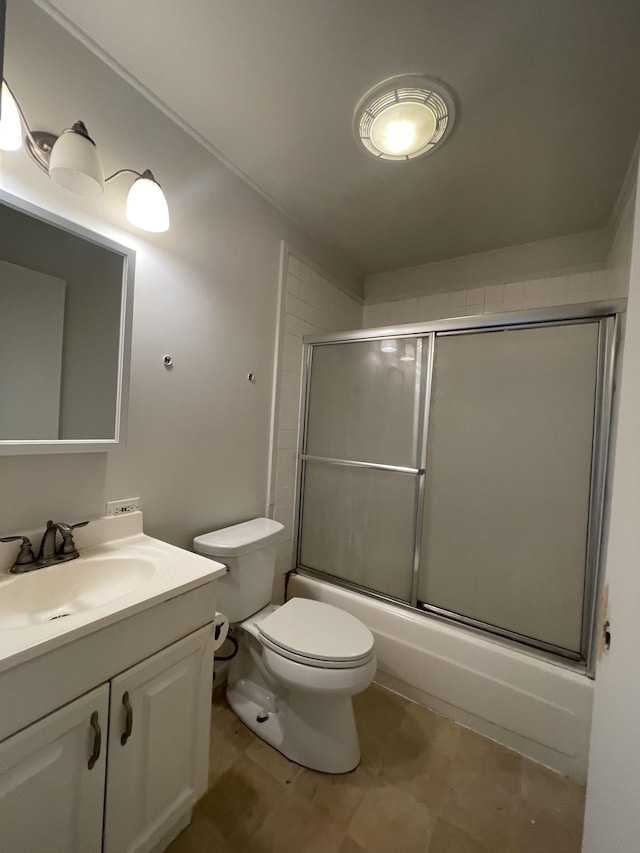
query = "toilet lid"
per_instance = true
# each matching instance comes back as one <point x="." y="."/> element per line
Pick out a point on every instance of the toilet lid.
<point x="239" y="539"/>
<point x="318" y="631"/>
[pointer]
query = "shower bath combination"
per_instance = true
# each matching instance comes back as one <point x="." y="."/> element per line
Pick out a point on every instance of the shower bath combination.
<point x="458" y="468"/>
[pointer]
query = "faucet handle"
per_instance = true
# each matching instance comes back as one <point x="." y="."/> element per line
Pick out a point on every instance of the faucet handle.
<point x="68" y="545"/>
<point x="66" y="528"/>
<point x="25" y="554"/>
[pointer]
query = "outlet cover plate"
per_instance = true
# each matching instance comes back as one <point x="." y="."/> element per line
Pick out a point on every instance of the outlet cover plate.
<point x="123" y="506"/>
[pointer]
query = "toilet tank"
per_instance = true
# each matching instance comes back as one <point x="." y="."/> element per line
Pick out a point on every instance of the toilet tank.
<point x="249" y="552"/>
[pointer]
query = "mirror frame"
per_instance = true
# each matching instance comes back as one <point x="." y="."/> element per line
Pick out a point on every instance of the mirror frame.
<point x="87" y="445"/>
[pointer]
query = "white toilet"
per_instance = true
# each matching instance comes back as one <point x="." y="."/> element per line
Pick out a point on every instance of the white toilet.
<point x="298" y="664"/>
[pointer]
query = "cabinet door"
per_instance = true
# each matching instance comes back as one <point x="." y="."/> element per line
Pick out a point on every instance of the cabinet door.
<point x="158" y="743"/>
<point x="51" y="801"/>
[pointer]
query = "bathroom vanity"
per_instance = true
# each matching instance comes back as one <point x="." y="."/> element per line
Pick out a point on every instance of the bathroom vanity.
<point x="105" y="700"/>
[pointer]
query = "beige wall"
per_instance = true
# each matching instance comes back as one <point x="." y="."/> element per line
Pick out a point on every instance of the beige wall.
<point x="206" y="292"/>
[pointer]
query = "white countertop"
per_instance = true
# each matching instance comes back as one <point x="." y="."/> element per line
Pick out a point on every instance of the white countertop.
<point x="177" y="572"/>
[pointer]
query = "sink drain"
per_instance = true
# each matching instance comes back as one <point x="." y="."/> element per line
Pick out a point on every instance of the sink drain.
<point x="57" y="616"/>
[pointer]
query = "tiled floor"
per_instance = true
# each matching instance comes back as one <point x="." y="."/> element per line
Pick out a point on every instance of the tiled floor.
<point x="425" y="784"/>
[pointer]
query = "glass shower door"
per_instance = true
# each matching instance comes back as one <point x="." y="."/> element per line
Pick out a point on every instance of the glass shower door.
<point x="461" y="471"/>
<point x="506" y="513"/>
<point x="361" y="464"/>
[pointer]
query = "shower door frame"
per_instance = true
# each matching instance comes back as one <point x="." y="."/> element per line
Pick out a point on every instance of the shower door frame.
<point x="609" y="330"/>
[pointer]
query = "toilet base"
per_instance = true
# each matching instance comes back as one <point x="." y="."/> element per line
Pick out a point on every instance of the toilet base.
<point x="257" y="710"/>
<point x="311" y="730"/>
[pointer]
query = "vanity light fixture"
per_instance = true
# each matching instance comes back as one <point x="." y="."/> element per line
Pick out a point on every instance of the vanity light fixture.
<point x="72" y="161"/>
<point x="389" y="345"/>
<point x="404" y="117"/>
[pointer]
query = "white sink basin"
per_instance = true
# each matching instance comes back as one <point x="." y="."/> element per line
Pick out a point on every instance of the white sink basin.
<point x="68" y="588"/>
<point x="120" y="573"/>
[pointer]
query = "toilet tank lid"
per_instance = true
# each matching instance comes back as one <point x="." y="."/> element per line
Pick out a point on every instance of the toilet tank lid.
<point x="239" y="538"/>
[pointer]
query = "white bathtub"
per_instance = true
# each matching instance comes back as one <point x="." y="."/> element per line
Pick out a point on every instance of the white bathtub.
<point x="533" y="706"/>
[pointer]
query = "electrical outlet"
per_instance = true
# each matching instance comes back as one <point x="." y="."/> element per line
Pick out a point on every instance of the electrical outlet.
<point x="123" y="506"/>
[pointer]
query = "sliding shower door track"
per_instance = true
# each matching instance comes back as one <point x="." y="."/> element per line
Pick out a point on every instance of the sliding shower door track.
<point x="488" y="628"/>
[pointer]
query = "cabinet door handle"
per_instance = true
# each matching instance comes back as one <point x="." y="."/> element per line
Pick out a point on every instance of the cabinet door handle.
<point x="128" y="723"/>
<point x="97" y="741"/>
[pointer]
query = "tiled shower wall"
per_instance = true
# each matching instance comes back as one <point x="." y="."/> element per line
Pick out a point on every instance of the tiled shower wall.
<point x="499" y="298"/>
<point x="311" y="304"/>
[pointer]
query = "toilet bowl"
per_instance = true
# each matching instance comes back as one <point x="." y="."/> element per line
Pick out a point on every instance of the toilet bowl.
<point x="298" y="664"/>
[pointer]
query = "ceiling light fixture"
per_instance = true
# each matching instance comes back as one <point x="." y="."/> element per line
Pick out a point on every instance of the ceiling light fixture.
<point x="404" y="117"/>
<point x="72" y="161"/>
<point x="409" y="352"/>
<point x="389" y="345"/>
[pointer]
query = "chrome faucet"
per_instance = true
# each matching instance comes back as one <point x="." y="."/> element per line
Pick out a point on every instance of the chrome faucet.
<point x="48" y="555"/>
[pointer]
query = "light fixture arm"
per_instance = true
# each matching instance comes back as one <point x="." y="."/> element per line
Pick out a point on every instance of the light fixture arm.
<point x="123" y="172"/>
<point x="146" y="174"/>
<point x="37" y="154"/>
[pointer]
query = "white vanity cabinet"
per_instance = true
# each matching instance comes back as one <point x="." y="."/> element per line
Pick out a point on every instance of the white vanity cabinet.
<point x="149" y="770"/>
<point x="158" y="756"/>
<point x="50" y="800"/>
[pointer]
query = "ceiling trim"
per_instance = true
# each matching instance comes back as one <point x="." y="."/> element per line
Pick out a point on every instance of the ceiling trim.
<point x="133" y="81"/>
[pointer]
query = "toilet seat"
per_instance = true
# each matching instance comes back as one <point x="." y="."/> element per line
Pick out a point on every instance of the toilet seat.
<point x="316" y="634"/>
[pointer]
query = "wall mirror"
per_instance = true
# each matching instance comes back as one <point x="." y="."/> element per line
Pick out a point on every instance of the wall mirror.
<point x="66" y="297"/>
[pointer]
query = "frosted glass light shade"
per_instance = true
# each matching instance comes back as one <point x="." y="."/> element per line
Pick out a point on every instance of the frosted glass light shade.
<point x="403" y="129"/>
<point x="389" y="345"/>
<point x="10" y="125"/>
<point x="146" y="205"/>
<point x="75" y="163"/>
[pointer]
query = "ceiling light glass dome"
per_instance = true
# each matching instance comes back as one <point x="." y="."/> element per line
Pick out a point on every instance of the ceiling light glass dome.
<point x="404" y="117"/>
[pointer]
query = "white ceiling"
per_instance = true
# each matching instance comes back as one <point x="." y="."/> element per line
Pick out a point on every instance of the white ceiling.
<point x="548" y="99"/>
